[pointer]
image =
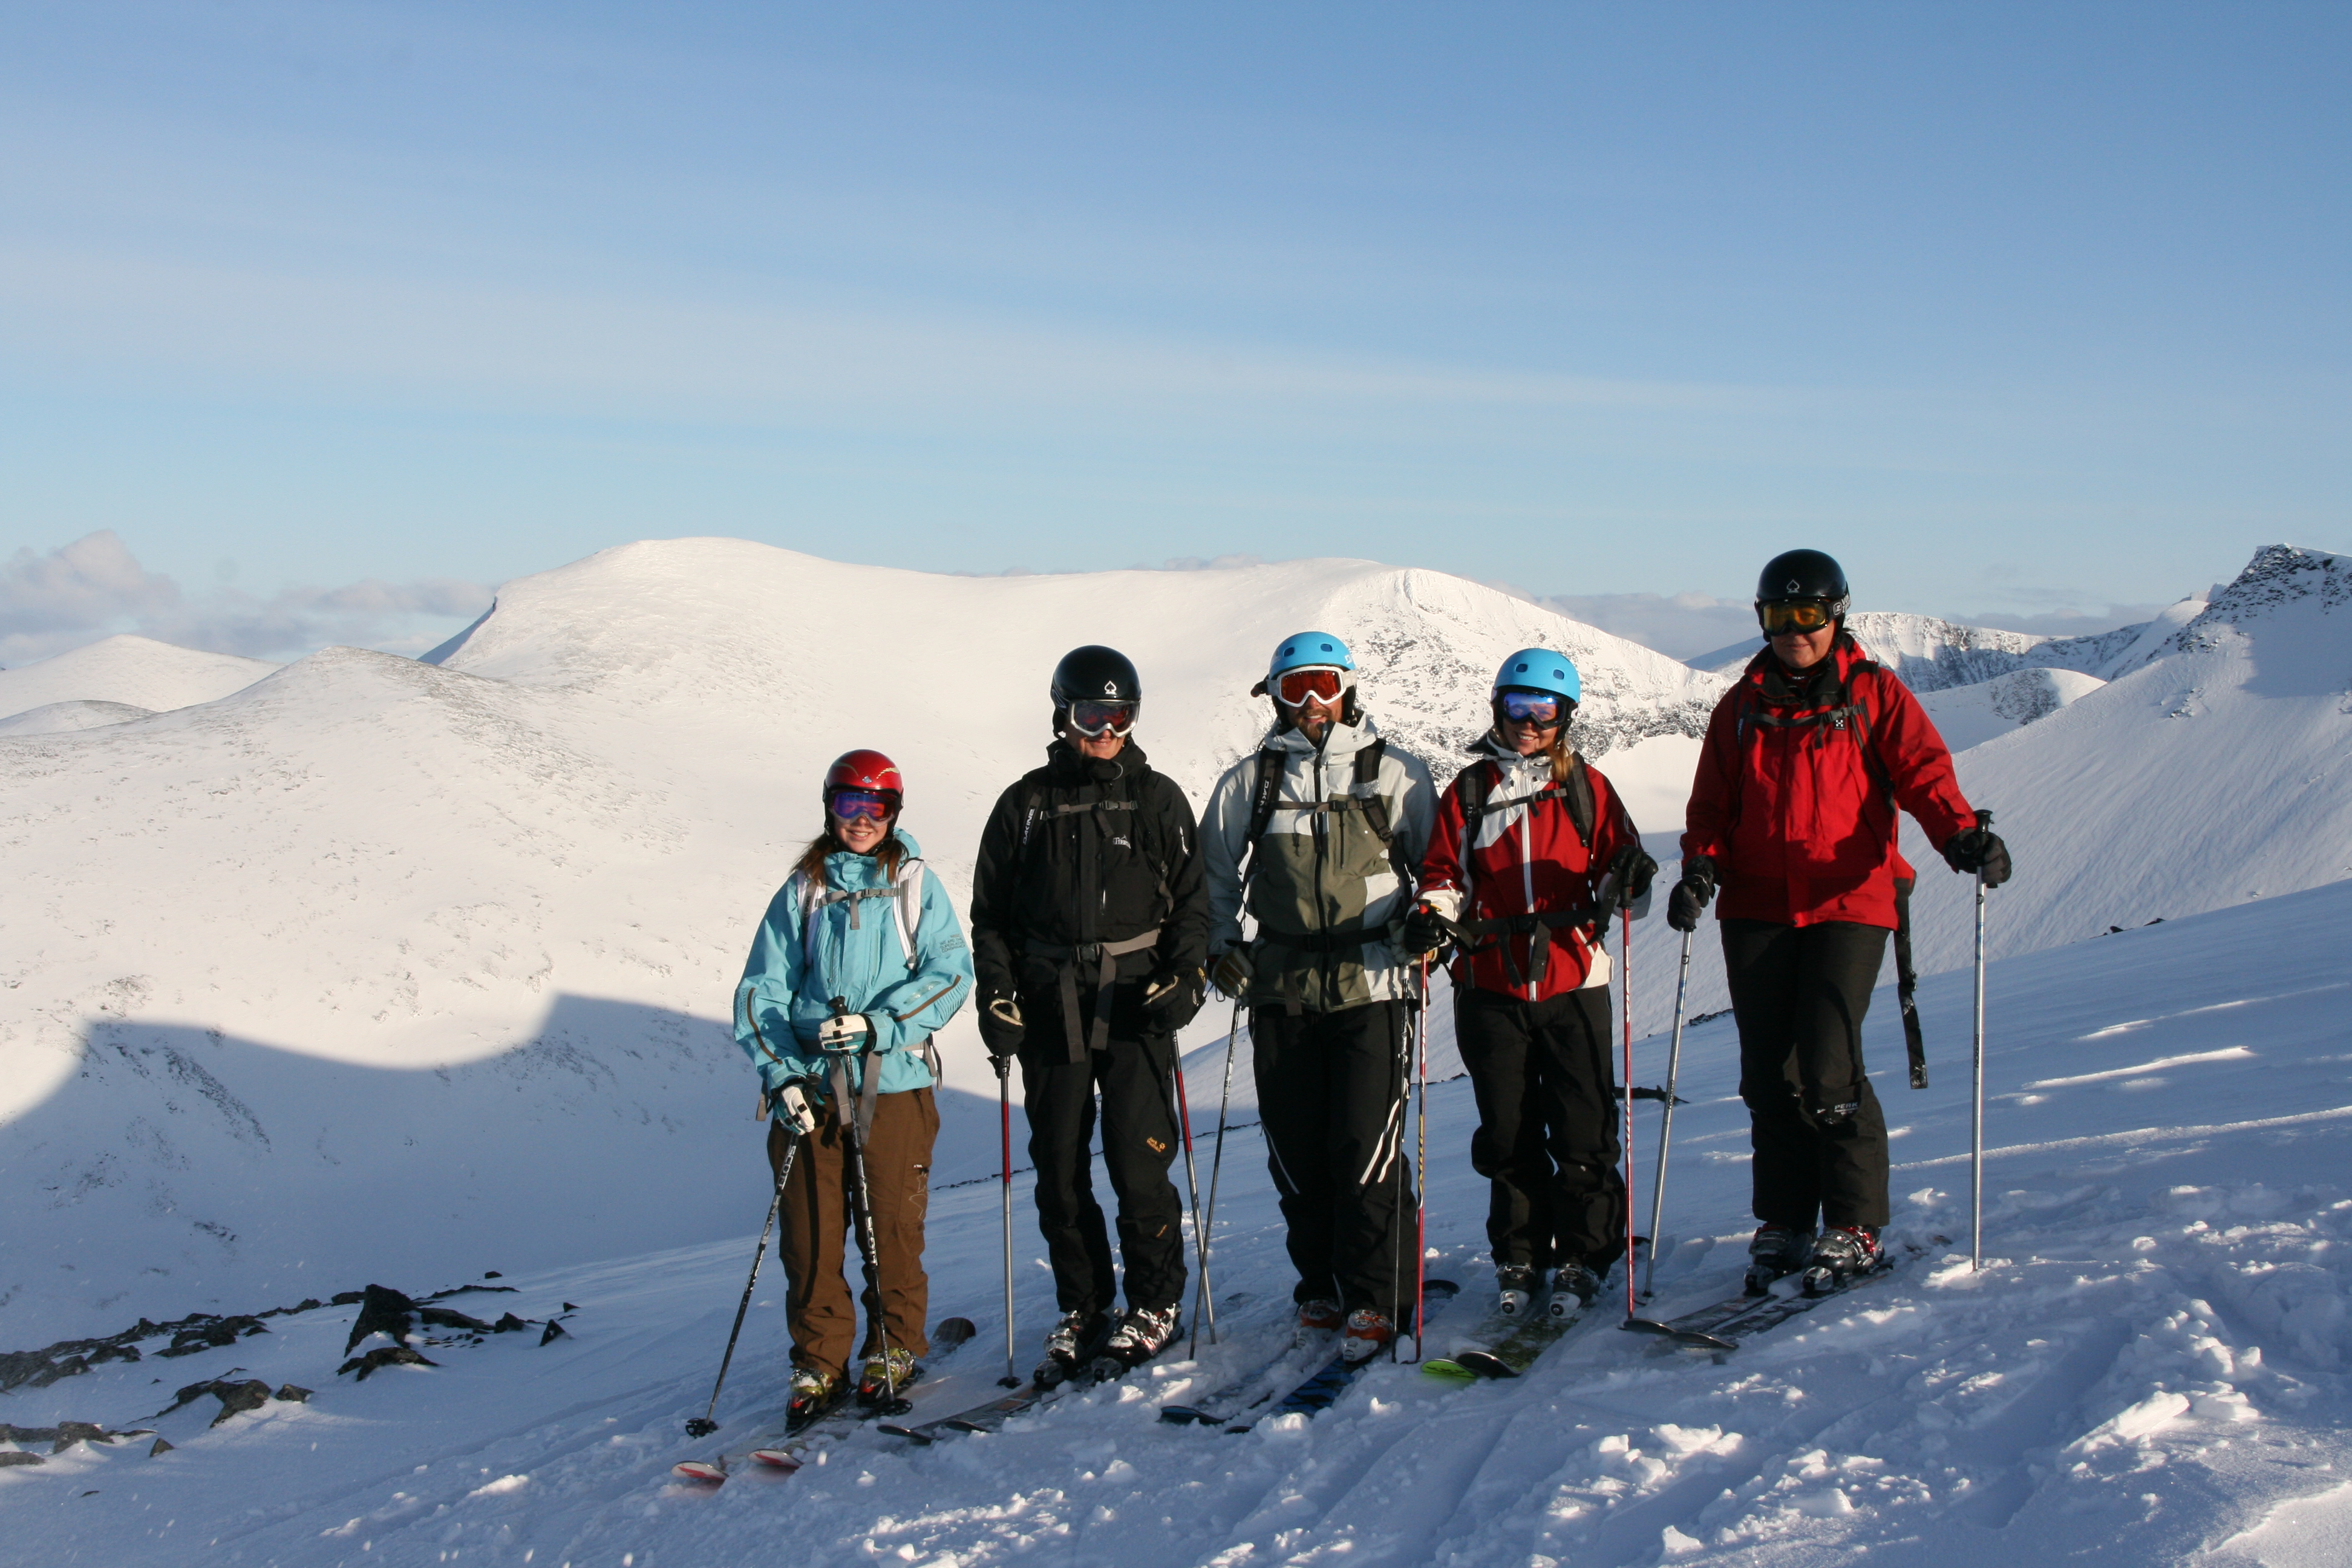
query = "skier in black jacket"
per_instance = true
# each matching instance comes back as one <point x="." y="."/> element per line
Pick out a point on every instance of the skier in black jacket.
<point x="1090" y="929"/>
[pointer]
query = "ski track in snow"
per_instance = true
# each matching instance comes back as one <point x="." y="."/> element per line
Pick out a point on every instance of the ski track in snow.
<point x="2151" y="1367"/>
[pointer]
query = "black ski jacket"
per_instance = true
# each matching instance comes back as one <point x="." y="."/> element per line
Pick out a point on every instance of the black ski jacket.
<point x="1082" y="852"/>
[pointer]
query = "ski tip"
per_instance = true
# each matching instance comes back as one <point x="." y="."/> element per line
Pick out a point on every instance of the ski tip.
<point x="778" y="1458"/>
<point x="1481" y="1364"/>
<point x="703" y="1471"/>
<point x="953" y="1331"/>
<point x="913" y="1434"/>
<point x="1448" y="1369"/>
<point x="1179" y="1414"/>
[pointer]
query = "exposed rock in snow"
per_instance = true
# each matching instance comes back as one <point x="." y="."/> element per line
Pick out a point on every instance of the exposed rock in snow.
<point x="1932" y="654"/>
<point x="136" y="672"/>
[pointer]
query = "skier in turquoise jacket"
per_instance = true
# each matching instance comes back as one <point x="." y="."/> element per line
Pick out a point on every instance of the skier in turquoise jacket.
<point x="859" y="962"/>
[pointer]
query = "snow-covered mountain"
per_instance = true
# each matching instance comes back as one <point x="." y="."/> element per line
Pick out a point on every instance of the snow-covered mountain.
<point x="132" y="671"/>
<point x="1932" y="654"/>
<point x="430" y="943"/>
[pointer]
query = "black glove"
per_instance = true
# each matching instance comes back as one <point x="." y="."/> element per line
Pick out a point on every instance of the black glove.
<point x="1978" y="849"/>
<point x="1426" y="930"/>
<point x="1631" y="871"/>
<point x="1692" y="894"/>
<point x="1232" y="974"/>
<point x="1001" y="1028"/>
<point x="1174" y="995"/>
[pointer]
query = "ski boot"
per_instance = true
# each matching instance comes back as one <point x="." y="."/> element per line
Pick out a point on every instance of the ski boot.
<point x="814" y="1394"/>
<point x="1572" y="1290"/>
<point x="1142" y="1334"/>
<point x="1844" y="1254"/>
<point x="1317" y="1318"/>
<point x="1776" y="1250"/>
<point x="883" y="1384"/>
<point x="1076" y="1340"/>
<point x="1369" y="1333"/>
<point x="1515" y="1285"/>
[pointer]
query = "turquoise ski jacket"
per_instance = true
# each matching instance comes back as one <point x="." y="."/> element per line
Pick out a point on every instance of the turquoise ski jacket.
<point x="851" y="948"/>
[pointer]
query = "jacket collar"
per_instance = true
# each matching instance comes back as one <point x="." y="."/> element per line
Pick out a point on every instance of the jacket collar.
<point x="1066" y="768"/>
<point x="1779" y="687"/>
<point x="1339" y="742"/>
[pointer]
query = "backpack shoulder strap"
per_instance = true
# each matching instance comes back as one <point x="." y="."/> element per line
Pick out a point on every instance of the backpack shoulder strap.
<point x="1474" y="787"/>
<point x="1368" y="789"/>
<point x="1576" y="795"/>
<point x="909" y="906"/>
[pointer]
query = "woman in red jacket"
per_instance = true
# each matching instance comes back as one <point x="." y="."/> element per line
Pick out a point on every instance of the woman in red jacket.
<point x="1530" y="854"/>
<point x="1792" y="816"/>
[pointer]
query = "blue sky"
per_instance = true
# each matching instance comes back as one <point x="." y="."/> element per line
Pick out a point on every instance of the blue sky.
<point x="2024" y="312"/>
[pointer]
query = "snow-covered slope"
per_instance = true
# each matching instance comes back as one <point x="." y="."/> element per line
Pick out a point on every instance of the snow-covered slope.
<point x="1970" y="715"/>
<point x="433" y="944"/>
<point x="136" y="672"/>
<point x="2151" y="1368"/>
<point x="61" y="718"/>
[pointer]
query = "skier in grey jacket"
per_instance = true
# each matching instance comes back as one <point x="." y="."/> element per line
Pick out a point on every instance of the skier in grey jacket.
<point x="1319" y="831"/>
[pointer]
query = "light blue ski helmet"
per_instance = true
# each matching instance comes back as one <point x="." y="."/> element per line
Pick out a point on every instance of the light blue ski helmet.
<point x="1541" y="670"/>
<point x="1305" y="650"/>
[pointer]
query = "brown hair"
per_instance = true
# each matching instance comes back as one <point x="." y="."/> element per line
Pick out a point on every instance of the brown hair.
<point x="889" y="852"/>
<point x="1564" y="759"/>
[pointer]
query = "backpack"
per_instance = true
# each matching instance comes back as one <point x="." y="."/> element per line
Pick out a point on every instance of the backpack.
<point x="1576" y="794"/>
<point x="1265" y="800"/>
<point x="905" y="896"/>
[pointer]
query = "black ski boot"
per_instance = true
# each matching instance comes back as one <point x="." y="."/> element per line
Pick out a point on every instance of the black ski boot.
<point x="1516" y="1288"/>
<point x="1776" y="1250"/>
<point x="1142" y="1334"/>
<point x="1075" y="1342"/>
<point x="1572" y="1290"/>
<point x="1844" y="1254"/>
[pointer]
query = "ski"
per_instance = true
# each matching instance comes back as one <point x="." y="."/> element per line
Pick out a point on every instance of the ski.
<point x="1510" y="1356"/>
<point x="846" y="1415"/>
<point x="1322" y="1387"/>
<point x="1721" y="1326"/>
<point x="1221" y="1405"/>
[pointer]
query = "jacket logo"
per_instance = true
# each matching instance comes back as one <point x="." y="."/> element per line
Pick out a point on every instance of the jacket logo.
<point x="1122" y="843"/>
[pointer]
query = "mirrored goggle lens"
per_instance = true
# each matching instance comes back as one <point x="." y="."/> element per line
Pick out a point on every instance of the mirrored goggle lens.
<point x="850" y="804"/>
<point x="1297" y="686"/>
<point x="1795" y="615"/>
<point x="1102" y="718"/>
<point x="1531" y="708"/>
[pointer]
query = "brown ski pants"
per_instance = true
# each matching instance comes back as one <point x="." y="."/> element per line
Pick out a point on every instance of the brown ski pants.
<point x="819" y="1208"/>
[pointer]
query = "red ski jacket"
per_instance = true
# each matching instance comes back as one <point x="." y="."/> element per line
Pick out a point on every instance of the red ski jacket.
<point x="1798" y="785"/>
<point x="1522" y="884"/>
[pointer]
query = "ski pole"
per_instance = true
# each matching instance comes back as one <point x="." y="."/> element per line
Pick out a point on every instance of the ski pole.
<point x="1206" y="1298"/>
<point x="873" y="1250"/>
<point x="1976" y="1115"/>
<point x="1421" y="1160"/>
<point x="1216" y="1162"/>
<point x="1666" y="1126"/>
<point x="1004" y="1108"/>
<point x="1403" y="1103"/>
<point x="703" y="1426"/>
<point x="1626" y="957"/>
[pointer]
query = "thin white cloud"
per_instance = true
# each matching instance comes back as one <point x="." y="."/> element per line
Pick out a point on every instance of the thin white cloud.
<point x="95" y="587"/>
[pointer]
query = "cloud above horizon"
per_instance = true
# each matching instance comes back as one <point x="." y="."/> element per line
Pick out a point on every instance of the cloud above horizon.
<point x="95" y="587"/>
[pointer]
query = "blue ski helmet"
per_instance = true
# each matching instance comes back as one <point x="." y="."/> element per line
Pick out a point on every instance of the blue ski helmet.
<point x="1541" y="670"/>
<point x="1310" y="650"/>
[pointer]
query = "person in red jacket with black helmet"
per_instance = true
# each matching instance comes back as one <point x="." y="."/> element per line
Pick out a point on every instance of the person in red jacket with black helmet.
<point x="1531" y="855"/>
<point x="1792" y="818"/>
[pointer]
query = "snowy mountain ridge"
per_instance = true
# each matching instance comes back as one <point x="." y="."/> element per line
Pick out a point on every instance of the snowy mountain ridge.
<point x="1929" y="654"/>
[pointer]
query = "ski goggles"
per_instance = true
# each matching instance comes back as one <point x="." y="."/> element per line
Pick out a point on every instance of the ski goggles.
<point x="1782" y="616"/>
<point x="1292" y="687"/>
<point x="849" y="804"/>
<point x="1103" y="718"/>
<point x="1541" y="708"/>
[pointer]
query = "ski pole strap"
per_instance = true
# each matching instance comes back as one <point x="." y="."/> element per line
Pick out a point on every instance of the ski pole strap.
<point x="1906" y="984"/>
<point x="1105" y="955"/>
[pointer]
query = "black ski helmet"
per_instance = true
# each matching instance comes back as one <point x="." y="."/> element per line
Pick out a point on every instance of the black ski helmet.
<point x="1804" y="574"/>
<point x="1094" y="674"/>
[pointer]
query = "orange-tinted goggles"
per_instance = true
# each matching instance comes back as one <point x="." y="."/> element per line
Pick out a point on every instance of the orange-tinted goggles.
<point x="1294" y="686"/>
<point x="1793" y="615"/>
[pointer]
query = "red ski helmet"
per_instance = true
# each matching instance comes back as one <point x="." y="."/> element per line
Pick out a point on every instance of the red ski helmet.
<point x="864" y="770"/>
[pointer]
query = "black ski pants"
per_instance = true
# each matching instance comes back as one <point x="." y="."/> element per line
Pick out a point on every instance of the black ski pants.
<point x="1547" y="1138"/>
<point x="1134" y="1074"/>
<point x="1799" y="993"/>
<point x="1330" y="1095"/>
